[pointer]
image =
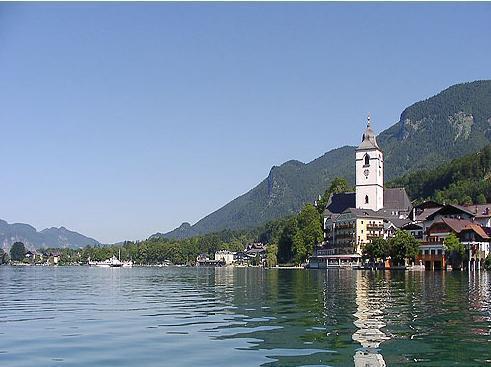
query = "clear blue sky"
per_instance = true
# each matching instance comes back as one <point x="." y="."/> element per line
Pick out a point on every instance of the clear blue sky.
<point x="120" y="120"/>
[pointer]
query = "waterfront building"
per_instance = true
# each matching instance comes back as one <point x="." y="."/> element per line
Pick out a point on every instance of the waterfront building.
<point x="474" y="238"/>
<point x="224" y="256"/>
<point x="353" y="219"/>
<point x="431" y="223"/>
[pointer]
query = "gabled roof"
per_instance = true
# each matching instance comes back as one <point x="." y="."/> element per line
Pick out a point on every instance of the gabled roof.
<point x="421" y="216"/>
<point x="477" y="229"/>
<point x="450" y="209"/>
<point x="456" y="225"/>
<point x="462" y="225"/>
<point x="396" y="198"/>
<point x="338" y="203"/>
<point x="428" y="204"/>
<point x="398" y="222"/>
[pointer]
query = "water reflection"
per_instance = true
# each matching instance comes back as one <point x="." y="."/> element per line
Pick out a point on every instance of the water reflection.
<point x="243" y="317"/>
<point x="369" y="321"/>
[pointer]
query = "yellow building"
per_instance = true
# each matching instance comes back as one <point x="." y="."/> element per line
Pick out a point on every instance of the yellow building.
<point x="352" y="229"/>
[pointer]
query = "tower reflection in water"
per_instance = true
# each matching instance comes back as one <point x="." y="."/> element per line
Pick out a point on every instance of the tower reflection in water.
<point x="369" y="314"/>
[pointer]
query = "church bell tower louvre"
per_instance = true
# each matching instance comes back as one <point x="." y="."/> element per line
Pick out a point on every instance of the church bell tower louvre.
<point x="369" y="172"/>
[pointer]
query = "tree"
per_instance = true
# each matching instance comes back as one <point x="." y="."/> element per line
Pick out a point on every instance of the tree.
<point x="467" y="200"/>
<point x="17" y="251"/>
<point x="455" y="250"/>
<point x="299" y="249"/>
<point x="481" y="199"/>
<point x="272" y="255"/>
<point x="402" y="246"/>
<point x="377" y="249"/>
<point x="338" y="185"/>
<point x="285" y="243"/>
<point x="309" y="233"/>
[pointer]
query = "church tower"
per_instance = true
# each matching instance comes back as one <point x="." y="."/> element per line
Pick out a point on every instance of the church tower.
<point x="369" y="172"/>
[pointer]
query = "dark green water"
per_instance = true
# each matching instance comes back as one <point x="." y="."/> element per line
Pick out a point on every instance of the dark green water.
<point x="79" y="316"/>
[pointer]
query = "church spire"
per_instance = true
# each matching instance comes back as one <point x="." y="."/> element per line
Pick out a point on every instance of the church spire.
<point x="368" y="140"/>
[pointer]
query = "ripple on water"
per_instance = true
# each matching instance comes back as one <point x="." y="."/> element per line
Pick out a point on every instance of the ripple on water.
<point x="242" y="317"/>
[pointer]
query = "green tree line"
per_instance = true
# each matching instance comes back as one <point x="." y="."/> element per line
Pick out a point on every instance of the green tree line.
<point x="465" y="180"/>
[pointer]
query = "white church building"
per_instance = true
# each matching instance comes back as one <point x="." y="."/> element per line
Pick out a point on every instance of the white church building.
<point x="354" y="219"/>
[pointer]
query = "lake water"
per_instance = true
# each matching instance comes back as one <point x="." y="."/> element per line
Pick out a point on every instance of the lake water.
<point x="80" y="316"/>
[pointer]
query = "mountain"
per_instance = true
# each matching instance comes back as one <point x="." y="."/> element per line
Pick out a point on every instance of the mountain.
<point x="50" y="237"/>
<point x="455" y="122"/>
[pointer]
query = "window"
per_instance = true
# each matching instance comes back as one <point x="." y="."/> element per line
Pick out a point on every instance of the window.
<point x="433" y="252"/>
<point x="366" y="199"/>
<point x="367" y="160"/>
<point x="440" y="252"/>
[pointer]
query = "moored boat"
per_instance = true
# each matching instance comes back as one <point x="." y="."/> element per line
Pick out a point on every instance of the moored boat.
<point x="113" y="262"/>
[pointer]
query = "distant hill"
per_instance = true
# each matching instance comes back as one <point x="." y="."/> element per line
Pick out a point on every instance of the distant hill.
<point x="453" y="123"/>
<point x="50" y="237"/>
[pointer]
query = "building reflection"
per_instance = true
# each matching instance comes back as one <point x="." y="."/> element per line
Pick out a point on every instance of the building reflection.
<point x="480" y="301"/>
<point x="370" y="302"/>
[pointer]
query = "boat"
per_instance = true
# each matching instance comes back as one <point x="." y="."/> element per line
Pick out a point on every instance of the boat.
<point x="113" y="262"/>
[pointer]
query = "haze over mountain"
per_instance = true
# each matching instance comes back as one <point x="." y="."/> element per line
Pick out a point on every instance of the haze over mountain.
<point x="50" y="237"/>
<point x="453" y="123"/>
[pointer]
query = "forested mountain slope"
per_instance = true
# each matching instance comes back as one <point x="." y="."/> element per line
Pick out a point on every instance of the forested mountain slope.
<point x="451" y="124"/>
<point x="465" y="180"/>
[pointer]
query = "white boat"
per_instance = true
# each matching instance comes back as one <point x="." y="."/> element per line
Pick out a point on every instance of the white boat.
<point x="113" y="262"/>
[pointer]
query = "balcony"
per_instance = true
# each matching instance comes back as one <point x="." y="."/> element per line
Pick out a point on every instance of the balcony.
<point x="375" y="227"/>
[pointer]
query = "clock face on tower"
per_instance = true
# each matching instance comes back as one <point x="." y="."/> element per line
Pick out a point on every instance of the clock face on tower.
<point x="366" y="172"/>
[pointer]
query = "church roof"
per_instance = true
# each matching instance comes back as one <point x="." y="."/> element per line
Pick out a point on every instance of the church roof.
<point x="338" y="203"/>
<point x="368" y="140"/>
<point x="396" y="198"/>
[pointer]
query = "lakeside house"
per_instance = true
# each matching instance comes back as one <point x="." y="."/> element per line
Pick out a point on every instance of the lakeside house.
<point x="436" y="222"/>
<point x="224" y="256"/>
<point x="253" y="254"/>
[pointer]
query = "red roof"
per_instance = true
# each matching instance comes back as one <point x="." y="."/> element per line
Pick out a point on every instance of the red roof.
<point x="459" y="225"/>
<point x="456" y="225"/>
<point x="478" y="229"/>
